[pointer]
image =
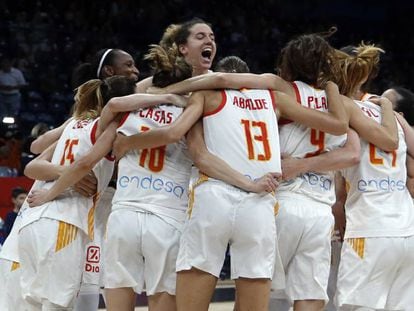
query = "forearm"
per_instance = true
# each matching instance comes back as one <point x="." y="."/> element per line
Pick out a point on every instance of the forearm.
<point x="335" y="105"/>
<point x="336" y="159"/>
<point x="43" y="170"/>
<point x="201" y="82"/>
<point x="82" y="166"/>
<point x="215" y="167"/>
<point x="138" y="101"/>
<point x="370" y="130"/>
<point x="388" y="122"/>
<point x="150" y="139"/>
<point x="229" y="81"/>
<point x="168" y="134"/>
<point x="129" y="103"/>
<point x="210" y="164"/>
<point x="70" y="176"/>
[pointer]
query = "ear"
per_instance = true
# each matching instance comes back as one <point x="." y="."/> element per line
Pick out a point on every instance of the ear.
<point x="183" y="49"/>
<point x="108" y="70"/>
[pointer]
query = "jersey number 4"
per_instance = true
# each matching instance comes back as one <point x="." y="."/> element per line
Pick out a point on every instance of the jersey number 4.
<point x="263" y="138"/>
<point x="154" y="157"/>
<point x="317" y="138"/>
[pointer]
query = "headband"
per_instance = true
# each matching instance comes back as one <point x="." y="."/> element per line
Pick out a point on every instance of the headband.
<point x="101" y="61"/>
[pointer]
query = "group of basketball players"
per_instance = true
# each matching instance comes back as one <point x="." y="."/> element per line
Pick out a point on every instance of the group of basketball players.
<point x="206" y="160"/>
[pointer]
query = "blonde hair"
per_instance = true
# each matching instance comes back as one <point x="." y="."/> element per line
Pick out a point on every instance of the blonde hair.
<point x="168" y="38"/>
<point x="92" y="96"/>
<point x="356" y="67"/>
<point x="88" y="100"/>
<point x="168" y="65"/>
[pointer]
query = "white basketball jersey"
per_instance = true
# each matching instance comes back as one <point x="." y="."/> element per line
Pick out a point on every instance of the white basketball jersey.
<point x="154" y="179"/>
<point x="378" y="203"/>
<point x="299" y="141"/>
<point x="77" y="139"/>
<point x="243" y="132"/>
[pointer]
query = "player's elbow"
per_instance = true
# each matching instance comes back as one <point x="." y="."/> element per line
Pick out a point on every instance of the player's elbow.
<point x="35" y="147"/>
<point x="354" y="158"/>
<point x="28" y="171"/>
<point x="113" y="104"/>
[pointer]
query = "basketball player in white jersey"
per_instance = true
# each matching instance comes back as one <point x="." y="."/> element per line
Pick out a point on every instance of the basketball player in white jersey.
<point x="373" y="270"/>
<point x="70" y="218"/>
<point x="43" y="262"/>
<point x="157" y="267"/>
<point x="105" y="63"/>
<point x="179" y="128"/>
<point x="377" y="255"/>
<point x="384" y="136"/>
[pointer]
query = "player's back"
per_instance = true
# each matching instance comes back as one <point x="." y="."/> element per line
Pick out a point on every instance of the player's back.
<point x="378" y="202"/>
<point x="71" y="207"/>
<point x="299" y="141"/>
<point x="243" y="131"/>
<point x="156" y="177"/>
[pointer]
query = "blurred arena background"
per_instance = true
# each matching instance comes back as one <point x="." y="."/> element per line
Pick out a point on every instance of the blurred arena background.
<point x="46" y="40"/>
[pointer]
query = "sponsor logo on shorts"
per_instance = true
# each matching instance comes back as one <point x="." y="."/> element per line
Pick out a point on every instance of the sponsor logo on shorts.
<point x="152" y="183"/>
<point x="322" y="182"/>
<point x="93" y="256"/>
<point x="381" y="185"/>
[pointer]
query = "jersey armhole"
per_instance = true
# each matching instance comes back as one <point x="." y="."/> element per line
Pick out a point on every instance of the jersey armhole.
<point x="219" y="107"/>
<point x="272" y="97"/>
<point x="123" y="119"/>
<point x="297" y="93"/>
<point x="109" y="156"/>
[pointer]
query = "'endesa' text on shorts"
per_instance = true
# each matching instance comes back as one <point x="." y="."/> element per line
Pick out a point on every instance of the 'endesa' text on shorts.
<point x="150" y="182"/>
<point x="381" y="185"/>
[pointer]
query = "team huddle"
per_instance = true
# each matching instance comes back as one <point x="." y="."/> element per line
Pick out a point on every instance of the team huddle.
<point x="207" y="160"/>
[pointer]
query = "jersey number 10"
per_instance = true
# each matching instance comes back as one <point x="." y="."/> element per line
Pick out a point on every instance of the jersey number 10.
<point x="154" y="156"/>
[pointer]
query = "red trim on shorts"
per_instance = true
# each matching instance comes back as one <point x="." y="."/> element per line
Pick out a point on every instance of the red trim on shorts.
<point x="220" y="107"/>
